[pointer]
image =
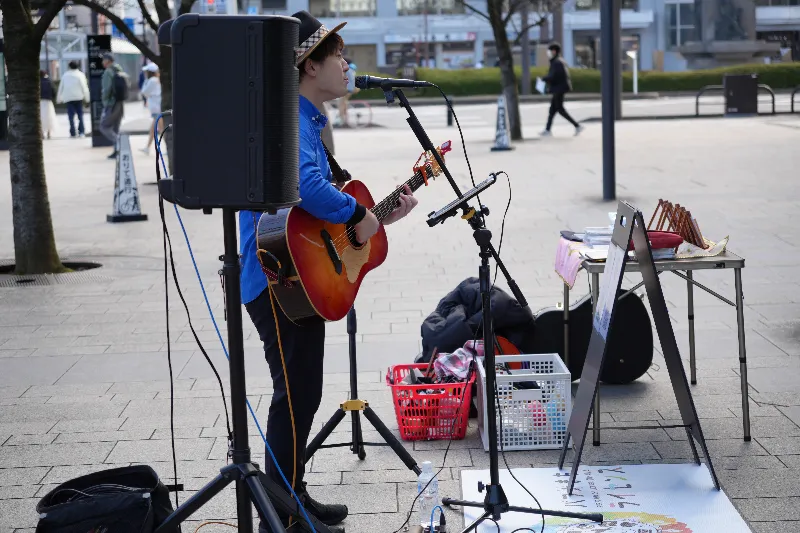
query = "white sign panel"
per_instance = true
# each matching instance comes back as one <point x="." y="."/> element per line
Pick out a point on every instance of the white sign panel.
<point x="669" y="498"/>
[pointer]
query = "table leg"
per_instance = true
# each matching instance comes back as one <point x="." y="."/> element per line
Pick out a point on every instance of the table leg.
<point x="596" y="411"/>
<point x="742" y="353"/>
<point x="566" y="326"/>
<point x="690" y="295"/>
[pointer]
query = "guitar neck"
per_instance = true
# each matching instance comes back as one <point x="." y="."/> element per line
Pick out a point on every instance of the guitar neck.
<point x="385" y="207"/>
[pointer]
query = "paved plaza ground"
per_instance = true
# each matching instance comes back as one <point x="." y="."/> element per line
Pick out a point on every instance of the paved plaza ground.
<point x="83" y="367"/>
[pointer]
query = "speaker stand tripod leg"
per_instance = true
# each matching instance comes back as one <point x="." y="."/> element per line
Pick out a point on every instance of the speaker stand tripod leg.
<point x="355" y="407"/>
<point x="391" y="440"/>
<point x="324" y="433"/>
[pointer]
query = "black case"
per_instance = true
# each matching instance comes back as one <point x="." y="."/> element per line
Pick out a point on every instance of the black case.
<point x="120" y="510"/>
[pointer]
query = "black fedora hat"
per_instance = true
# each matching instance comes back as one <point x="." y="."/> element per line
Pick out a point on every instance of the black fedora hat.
<point x="312" y="33"/>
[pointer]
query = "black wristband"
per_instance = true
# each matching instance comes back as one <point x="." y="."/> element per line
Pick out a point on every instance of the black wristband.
<point x="358" y="215"/>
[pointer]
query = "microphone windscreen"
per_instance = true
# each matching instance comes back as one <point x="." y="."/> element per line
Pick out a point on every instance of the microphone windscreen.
<point x="361" y="82"/>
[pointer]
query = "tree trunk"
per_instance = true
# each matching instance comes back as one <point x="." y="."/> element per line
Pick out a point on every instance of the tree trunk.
<point x="34" y="241"/>
<point x="507" y="74"/>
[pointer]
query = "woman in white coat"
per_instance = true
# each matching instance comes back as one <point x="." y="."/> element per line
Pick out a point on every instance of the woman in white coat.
<point x="152" y="91"/>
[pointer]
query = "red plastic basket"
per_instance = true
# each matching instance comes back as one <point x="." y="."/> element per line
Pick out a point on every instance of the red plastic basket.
<point x="422" y="416"/>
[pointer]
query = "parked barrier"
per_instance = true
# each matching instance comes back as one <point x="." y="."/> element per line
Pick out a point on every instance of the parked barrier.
<point x="761" y="86"/>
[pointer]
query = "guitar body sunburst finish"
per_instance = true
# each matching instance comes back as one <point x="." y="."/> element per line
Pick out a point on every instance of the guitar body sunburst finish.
<point x="303" y="244"/>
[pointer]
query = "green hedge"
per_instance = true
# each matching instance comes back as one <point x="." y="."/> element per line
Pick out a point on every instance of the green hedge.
<point x="467" y="82"/>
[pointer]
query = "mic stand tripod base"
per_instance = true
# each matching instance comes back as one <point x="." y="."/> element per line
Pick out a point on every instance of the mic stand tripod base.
<point x="496" y="502"/>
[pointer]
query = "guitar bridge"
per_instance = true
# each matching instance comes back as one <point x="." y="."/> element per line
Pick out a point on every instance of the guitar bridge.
<point x="332" y="253"/>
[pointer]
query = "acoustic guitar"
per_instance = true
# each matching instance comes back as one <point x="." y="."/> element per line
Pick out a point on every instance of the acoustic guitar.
<point x="315" y="268"/>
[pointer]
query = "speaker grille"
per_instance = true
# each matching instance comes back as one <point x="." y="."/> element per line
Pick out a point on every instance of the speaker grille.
<point x="281" y="116"/>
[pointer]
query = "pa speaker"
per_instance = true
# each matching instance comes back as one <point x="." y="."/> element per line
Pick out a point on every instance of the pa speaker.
<point x="234" y="112"/>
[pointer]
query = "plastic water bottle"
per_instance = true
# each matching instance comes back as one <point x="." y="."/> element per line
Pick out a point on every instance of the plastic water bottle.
<point x="430" y="497"/>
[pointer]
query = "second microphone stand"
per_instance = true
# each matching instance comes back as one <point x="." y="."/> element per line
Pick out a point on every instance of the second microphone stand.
<point x="495" y="503"/>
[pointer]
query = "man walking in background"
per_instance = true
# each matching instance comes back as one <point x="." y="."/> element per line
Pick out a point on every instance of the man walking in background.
<point x="560" y="84"/>
<point x="114" y="93"/>
<point x="74" y="91"/>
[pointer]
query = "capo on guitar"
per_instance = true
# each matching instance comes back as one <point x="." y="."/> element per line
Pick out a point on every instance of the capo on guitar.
<point x="423" y="168"/>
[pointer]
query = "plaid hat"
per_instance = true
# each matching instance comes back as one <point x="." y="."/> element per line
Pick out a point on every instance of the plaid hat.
<point x="312" y="33"/>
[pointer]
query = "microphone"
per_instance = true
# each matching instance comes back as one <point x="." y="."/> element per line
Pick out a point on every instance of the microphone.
<point x="374" y="82"/>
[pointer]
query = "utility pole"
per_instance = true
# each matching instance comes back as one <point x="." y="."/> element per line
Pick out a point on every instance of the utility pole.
<point x="426" y="48"/>
<point x="526" y="50"/>
<point x="608" y="93"/>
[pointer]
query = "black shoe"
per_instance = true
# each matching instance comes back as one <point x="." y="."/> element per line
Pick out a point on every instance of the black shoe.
<point x="328" y="514"/>
<point x="113" y="156"/>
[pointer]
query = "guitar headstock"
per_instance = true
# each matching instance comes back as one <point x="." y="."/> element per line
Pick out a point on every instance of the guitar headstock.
<point x="428" y="166"/>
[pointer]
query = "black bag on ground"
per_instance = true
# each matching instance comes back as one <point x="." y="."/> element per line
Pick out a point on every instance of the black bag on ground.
<point x="130" y="499"/>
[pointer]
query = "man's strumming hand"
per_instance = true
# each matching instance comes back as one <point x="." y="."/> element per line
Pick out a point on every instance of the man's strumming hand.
<point x="368" y="227"/>
<point x="407" y="202"/>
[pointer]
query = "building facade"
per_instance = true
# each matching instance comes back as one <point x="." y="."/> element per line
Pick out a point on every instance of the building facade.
<point x="386" y="34"/>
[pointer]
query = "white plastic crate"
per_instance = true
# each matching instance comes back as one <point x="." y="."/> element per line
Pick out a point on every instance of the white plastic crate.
<point x="533" y="419"/>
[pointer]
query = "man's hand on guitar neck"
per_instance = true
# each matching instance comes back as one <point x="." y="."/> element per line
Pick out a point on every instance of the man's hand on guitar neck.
<point x="407" y="202"/>
<point x="370" y="224"/>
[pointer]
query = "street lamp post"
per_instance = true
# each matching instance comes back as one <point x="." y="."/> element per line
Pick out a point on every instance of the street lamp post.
<point x="634" y="56"/>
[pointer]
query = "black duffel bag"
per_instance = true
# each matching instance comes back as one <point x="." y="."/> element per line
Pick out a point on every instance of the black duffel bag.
<point x="129" y="499"/>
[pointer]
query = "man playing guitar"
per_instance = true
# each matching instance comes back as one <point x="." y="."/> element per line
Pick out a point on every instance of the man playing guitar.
<point x="298" y="389"/>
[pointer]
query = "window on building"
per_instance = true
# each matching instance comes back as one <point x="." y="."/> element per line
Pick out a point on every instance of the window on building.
<point x="595" y="4"/>
<point x="342" y="8"/>
<point x="432" y="7"/>
<point x="768" y="3"/>
<point x="680" y="24"/>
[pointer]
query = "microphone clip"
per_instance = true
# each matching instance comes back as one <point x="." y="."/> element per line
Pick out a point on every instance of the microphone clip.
<point x="388" y="93"/>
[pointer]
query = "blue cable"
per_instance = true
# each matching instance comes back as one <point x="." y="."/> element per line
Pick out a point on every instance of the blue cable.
<point x="219" y="335"/>
<point x="433" y="512"/>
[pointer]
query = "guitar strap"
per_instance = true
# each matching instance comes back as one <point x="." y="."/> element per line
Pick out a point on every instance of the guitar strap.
<point x="340" y="175"/>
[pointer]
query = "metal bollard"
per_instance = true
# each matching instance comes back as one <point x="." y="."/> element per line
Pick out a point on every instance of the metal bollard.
<point x="449" y="111"/>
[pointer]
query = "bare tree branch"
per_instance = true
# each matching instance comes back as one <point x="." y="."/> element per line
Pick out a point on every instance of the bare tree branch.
<point x="146" y="15"/>
<point x="123" y="28"/>
<point x="47" y="17"/>
<point x="475" y="11"/>
<point x="513" y="6"/>
<point x="524" y="31"/>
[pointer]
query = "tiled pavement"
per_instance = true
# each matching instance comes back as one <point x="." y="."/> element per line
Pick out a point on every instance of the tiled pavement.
<point x="83" y="367"/>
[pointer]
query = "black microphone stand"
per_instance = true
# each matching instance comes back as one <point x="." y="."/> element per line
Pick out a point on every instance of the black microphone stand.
<point x="496" y="502"/>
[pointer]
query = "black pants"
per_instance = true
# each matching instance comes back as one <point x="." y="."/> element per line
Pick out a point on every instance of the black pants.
<point x="73" y="109"/>
<point x="557" y="106"/>
<point x="303" y="350"/>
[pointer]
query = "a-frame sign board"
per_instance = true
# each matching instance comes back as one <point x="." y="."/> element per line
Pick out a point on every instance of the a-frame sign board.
<point x="630" y="223"/>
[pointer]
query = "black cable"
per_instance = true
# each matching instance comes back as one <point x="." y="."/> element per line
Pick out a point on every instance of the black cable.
<point x="165" y="236"/>
<point x="186" y="308"/>
<point x="461" y="134"/>
<point x="168" y="248"/>
<point x="460" y="412"/>
<point x="503" y="453"/>
<point x="495" y="523"/>
<point x="525" y="529"/>
<point x="503" y="225"/>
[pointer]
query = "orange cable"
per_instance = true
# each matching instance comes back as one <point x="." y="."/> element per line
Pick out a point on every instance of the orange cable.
<point x="204" y="524"/>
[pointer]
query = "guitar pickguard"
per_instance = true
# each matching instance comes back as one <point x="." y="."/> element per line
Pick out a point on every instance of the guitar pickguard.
<point x="354" y="260"/>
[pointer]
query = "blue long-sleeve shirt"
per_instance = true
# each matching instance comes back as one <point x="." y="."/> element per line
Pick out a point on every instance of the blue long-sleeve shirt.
<point x="318" y="196"/>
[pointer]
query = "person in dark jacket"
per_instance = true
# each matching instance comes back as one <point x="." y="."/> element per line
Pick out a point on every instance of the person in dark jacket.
<point x="559" y="85"/>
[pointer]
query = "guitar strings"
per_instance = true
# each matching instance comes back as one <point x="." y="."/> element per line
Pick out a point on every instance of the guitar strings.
<point x="380" y="210"/>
